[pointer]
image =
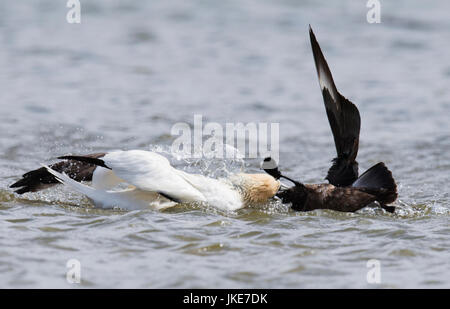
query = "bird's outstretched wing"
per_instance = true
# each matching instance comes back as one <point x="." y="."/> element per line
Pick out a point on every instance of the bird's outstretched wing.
<point x="40" y="178"/>
<point x="344" y="120"/>
<point x="147" y="171"/>
<point x="130" y="198"/>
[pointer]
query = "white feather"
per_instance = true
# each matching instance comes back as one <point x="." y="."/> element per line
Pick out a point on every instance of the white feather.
<point x="150" y="171"/>
<point x="130" y="199"/>
<point x="105" y="179"/>
<point x="326" y="82"/>
<point x="149" y="177"/>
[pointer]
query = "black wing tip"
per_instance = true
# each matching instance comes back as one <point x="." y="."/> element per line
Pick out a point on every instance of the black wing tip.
<point x="40" y="178"/>
<point x="378" y="176"/>
<point x="311" y="32"/>
<point x="23" y="190"/>
<point x="321" y="64"/>
<point x="16" y="184"/>
<point x="85" y="159"/>
<point x="313" y="39"/>
<point x="22" y="186"/>
<point x="69" y="157"/>
<point x="29" y="181"/>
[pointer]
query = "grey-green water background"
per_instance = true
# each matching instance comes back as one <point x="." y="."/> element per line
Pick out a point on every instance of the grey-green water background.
<point x="132" y="69"/>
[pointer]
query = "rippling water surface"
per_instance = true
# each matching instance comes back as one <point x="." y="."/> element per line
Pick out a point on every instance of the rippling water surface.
<point x="132" y="69"/>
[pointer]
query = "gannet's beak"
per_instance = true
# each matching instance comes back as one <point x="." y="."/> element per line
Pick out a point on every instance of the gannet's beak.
<point x="270" y="167"/>
<point x="283" y="186"/>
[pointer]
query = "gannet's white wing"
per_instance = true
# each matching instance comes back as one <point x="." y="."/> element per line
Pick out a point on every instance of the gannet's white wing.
<point x="149" y="171"/>
<point x="105" y="179"/>
<point x="130" y="199"/>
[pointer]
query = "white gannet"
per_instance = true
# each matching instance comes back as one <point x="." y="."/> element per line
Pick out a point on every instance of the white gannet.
<point x="150" y="181"/>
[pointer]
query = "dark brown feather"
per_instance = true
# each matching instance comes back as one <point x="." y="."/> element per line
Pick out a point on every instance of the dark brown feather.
<point x="346" y="192"/>
<point x="344" y="119"/>
<point x="326" y="196"/>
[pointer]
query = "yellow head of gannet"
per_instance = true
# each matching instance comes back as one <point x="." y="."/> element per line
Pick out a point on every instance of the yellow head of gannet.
<point x="255" y="188"/>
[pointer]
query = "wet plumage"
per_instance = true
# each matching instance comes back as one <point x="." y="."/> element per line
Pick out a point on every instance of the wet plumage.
<point x="137" y="179"/>
<point x="345" y="191"/>
<point x="40" y="178"/>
